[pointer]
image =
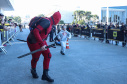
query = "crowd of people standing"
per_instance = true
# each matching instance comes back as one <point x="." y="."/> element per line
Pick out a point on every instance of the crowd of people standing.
<point x="70" y="28"/>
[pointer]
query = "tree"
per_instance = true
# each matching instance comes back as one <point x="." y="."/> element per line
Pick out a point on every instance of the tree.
<point x="9" y="17"/>
<point x="87" y="16"/>
<point x="87" y="13"/>
<point x="81" y="22"/>
<point x="41" y="15"/>
<point x="61" y="22"/>
<point x="81" y="16"/>
<point x="15" y="18"/>
<point x="78" y="14"/>
<point x="94" y="18"/>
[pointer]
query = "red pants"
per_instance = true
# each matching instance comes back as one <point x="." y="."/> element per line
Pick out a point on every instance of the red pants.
<point x="36" y="56"/>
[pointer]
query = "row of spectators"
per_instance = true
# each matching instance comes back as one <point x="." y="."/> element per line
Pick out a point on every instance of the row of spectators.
<point x="2" y="23"/>
<point x="5" y="25"/>
<point x="111" y="26"/>
<point x="122" y="27"/>
<point x="99" y="25"/>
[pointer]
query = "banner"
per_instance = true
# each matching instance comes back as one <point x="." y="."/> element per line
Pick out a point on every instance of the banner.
<point x="85" y="32"/>
<point x="115" y="34"/>
<point x="98" y="33"/>
<point x="76" y="31"/>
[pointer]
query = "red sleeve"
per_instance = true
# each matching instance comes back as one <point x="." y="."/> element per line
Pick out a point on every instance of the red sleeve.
<point x="37" y="35"/>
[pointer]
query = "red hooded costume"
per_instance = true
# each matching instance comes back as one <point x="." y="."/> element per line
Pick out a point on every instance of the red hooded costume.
<point x="37" y="36"/>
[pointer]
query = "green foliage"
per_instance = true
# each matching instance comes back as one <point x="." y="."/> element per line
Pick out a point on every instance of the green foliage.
<point x="61" y="22"/>
<point x="96" y="16"/>
<point x="81" y="16"/>
<point x="15" y="18"/>
<point x="73" y="22"/>
<point x="9" y="17"/>
<point x="81" y="22"/>
<point x="41" y="15"/>
<point x="87" y="13"/>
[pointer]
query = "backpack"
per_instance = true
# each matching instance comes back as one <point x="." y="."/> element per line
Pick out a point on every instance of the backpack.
<point x="34" y="22"/>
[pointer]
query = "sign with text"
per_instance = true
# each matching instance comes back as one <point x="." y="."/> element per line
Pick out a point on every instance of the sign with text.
<point x="85" y="32"/>
<point x="98" y="33"/>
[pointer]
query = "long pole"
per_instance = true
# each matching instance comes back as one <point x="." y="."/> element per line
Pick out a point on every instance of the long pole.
<point x="52" y="45"/>
<point x="107" y="15"/>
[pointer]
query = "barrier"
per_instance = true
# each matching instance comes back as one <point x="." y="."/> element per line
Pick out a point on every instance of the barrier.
<point x="76" y="31"/>
<point x="6" y="36"/>
<point x="98" y="33"/>
<point x="116" y="35"/>
<point x="103" y="34"/>
<point x="86" y="32"/>
<point x="2" y="48"/>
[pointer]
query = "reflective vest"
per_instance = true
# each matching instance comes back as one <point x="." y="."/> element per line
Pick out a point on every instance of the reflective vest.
<point x="7" y="24"/>
<point x="1" y="30"/>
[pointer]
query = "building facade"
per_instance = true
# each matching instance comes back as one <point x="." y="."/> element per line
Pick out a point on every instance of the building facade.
<point x="6" y="5"/>
<point x="117" y="14"/>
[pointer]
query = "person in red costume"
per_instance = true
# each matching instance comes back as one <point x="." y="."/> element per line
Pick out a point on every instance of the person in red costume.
<point x="37" y="39"/>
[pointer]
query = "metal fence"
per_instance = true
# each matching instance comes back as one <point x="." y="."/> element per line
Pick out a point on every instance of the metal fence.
<point x="111" y="34"/>
<point x="6" y="36"/>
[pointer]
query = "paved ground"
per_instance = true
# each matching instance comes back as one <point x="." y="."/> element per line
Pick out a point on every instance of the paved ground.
<point x="86" y="62"/>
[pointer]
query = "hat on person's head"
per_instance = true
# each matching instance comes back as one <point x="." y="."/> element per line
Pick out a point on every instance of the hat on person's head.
<point x="1" y="14"/>
<point x="56" y="17"/>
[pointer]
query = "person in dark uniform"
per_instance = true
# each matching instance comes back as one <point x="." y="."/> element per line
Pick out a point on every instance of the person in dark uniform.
<point x="2" y="23"/>
<point x="117" y="27"/>
<point x="106" y="31"/>
<point x="20" y="27"/>
<point x="51" y="33"/>
<point x="102" y="26"/>
<point x="82" y="29"/>
<point x="58" y="29"/>
<point x="68" y="28"/>
<point x="123" y="27"/>
<point x="98" y="25"/>
<point x="73" y="28"/>
<point x="111" y="26"/>
<point x="1" y="27"/>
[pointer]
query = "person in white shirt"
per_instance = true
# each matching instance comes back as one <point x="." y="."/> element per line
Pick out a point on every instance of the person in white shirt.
<point x="63" y="36"/>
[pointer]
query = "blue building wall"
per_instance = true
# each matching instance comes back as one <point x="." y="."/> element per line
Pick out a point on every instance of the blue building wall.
<point x="117" y="14"/>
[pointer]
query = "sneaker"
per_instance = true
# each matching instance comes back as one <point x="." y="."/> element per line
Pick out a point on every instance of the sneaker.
<point x="62" y="53"/>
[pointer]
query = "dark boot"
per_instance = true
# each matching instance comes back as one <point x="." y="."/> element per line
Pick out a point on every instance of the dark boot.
<point x="107" y="41"/>
<point x="45" y="76"/>
<point x="116" y="43"/>
<point x="34" y="73"/>
<point x="61" y="52"/>
<point x="123" y="44"/>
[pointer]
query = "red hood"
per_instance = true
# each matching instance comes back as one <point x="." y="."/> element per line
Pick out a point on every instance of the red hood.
<point x="56" y="16"/>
